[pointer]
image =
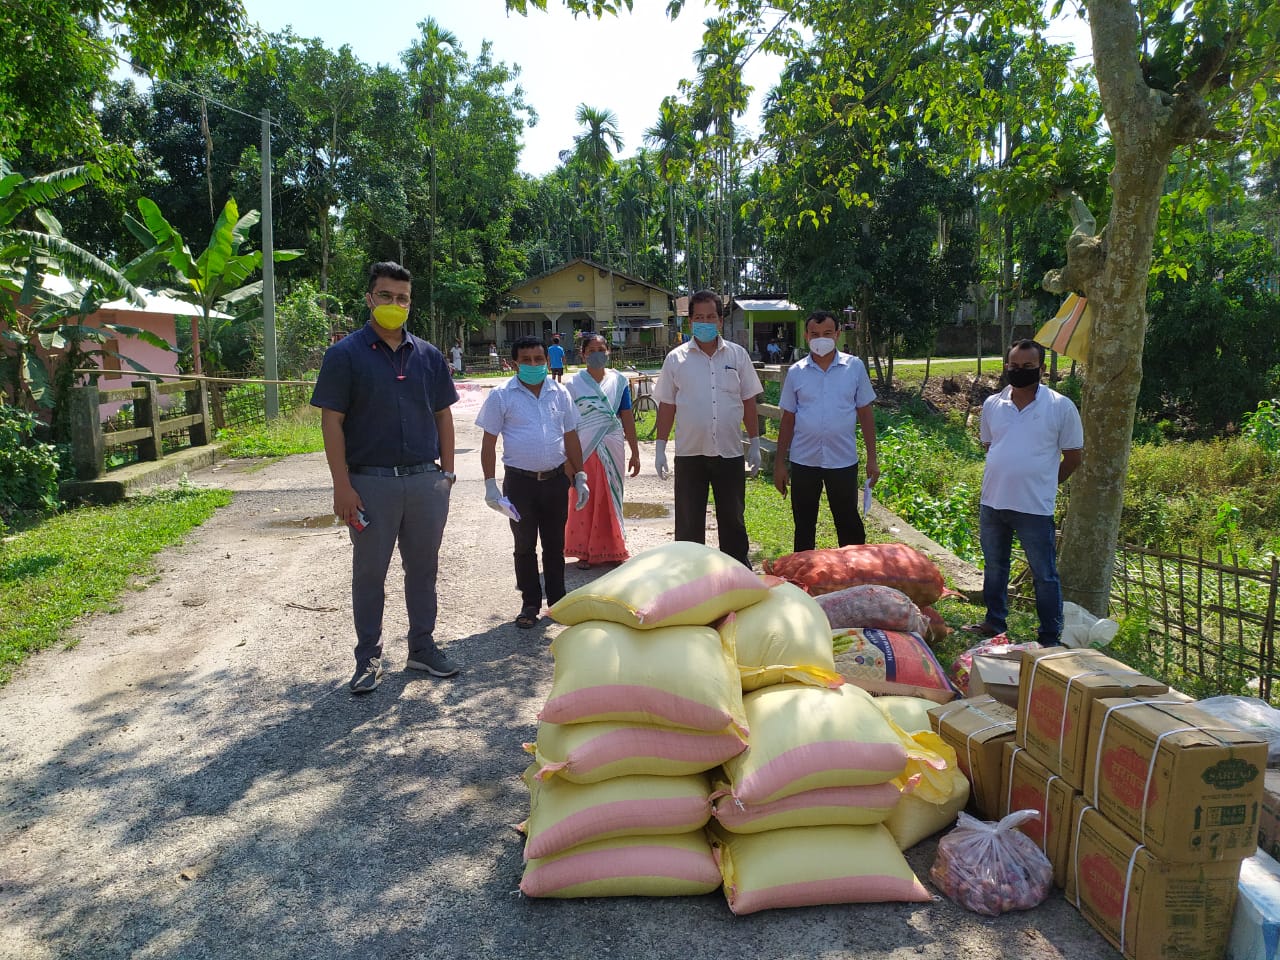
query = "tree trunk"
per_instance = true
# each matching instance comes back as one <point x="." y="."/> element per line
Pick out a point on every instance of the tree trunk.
<point x="1142" y="127"/>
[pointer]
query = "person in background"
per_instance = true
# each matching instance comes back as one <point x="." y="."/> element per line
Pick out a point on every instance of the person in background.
<point x="456" y="352"/>
<point x="709" y="386"/>
<point x="826" y="398"/>
<point x="1034" y="441"/>
<point x="538" y="422"/>
<point x="384" y="397"/>
<point x="494" y="362"/>
<point x="555" y="357"/>
<point x="595" y="535"/>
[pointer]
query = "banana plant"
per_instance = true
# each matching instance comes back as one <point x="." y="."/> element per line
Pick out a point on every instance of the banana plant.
<point x="31" y="246"/>
<point x="215" y="280"/>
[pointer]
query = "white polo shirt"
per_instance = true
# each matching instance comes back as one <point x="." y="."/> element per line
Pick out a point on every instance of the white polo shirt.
<point x="532" y="428"/>
<point x="1026" y="446"/>
<point x="708" y="392"/>
<point x="825" y="404"/>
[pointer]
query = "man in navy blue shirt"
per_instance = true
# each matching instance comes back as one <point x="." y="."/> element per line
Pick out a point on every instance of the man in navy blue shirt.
<point x="384" y="397"/>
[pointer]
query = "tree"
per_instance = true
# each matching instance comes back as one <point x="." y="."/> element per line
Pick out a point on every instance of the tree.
<point x="31" y="245"/>
<point x="1224" y="316"/>
<point x="216" y="278"/>
<point x="59" y="56"/>
<point x="1171" y="76"/>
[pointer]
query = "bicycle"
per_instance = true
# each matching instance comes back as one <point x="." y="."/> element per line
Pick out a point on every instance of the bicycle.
<point x="643" y="407"/>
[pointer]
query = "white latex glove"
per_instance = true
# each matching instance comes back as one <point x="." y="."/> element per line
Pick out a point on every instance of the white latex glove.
<point x="492" y="494"/>
<point x="584" y="492"/>
<point x="753" y="457"/>
<point x="660" y="460"/>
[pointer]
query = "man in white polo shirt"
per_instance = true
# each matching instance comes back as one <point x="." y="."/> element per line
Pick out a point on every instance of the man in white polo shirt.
<point x="710" y="386"/>
<point x="825" y="396"/>
<point x="1034" y="441"/>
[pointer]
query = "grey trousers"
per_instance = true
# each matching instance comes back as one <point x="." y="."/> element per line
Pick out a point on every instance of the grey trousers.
<point x="413" y="511"/>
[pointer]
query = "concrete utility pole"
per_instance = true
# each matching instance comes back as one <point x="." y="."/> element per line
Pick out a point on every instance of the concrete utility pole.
<point x="268" y="278"/>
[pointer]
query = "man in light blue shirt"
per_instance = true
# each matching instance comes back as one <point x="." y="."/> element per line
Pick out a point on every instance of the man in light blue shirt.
<point x="824" y="396"/>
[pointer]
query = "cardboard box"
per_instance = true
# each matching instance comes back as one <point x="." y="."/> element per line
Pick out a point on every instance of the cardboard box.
<point x="1149" y="909"/>
<point x="1269" y="818"/>
<point x="1186" y="784"/>
<point x="977" y="729"/>
<point x="1057" y="689"/>
<point x="995" y="676"/>
<point x="1027" y="784"/>
<point x="1255" y="929"/>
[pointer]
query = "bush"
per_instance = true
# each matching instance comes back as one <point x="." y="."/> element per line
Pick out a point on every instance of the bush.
<point x="302" y="332"/>
<point x="28" y="468"/>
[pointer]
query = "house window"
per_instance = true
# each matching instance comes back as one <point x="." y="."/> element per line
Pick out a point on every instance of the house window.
<point x="111" y="358"/>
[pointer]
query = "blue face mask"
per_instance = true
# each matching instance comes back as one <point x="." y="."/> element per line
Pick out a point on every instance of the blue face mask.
<point x="598" y="360"/>
<point x="706" y="332"/>
<point x="532" y="375"/>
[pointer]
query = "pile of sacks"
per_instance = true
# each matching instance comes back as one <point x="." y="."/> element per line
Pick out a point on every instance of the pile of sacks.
<point x="697" y="733"/>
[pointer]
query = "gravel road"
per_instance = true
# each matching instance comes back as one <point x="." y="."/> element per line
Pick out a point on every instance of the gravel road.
<point x="192" y="779"/>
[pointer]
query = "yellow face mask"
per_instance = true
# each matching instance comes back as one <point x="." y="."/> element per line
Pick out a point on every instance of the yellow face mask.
<point x="390" y="316"/>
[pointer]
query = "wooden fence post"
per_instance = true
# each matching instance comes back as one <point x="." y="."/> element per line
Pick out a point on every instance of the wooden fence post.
<point x="88" y="449"/>
<point x="198" y="402"/>
<point x="146" y="416"/>
<point x="215" y="396"/>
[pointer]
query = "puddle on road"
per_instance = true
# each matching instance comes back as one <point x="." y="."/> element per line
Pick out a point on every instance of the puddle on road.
<point x="644" y="511"/>
<point x="328" y="520"/>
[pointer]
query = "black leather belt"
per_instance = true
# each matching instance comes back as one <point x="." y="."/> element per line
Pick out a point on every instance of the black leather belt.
<point x="407" y="470"/>
<point x="535" y="474"/>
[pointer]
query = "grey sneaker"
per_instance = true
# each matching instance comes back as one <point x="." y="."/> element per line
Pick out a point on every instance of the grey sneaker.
<point x="433" y="661"/>
<point x="367" y="677"/>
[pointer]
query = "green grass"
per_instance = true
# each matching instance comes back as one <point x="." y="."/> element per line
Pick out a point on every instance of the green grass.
<point x="294" y="432"/>
<point x="78" y="562"/>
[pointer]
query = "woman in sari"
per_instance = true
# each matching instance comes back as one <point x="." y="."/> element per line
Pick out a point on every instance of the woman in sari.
<point x="594" y="534"/>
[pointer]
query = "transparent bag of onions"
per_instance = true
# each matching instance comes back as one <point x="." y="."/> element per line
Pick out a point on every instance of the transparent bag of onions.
<point x="991" y="868"/>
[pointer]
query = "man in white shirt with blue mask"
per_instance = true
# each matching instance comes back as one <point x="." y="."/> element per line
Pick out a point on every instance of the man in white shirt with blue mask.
<point x="827" y="395"/>
<point x="709" y="385"/>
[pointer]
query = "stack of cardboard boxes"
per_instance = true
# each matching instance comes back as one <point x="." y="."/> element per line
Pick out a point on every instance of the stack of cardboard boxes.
<point x="1148" y="805"/>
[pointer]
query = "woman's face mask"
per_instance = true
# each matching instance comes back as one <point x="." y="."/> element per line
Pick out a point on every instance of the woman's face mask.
<point x="597" y="360"/>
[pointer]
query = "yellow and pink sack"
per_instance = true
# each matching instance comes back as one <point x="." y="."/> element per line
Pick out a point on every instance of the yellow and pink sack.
<point x="669" y="676"/>
<point x="664" y="866"/>
<point x="785" y="637"/>
<point x="808" y="738"/>
<point x="676" y="583"/>
<point x="808" y="866"/>
<point x="564" y="815"/>
<point x="591" y="752"/>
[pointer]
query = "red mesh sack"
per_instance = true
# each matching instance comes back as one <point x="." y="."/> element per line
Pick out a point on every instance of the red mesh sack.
<point x="871" y="605"/>
<point x="888" y="564"/>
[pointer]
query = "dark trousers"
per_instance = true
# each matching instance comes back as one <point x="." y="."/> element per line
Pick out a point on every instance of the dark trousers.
<point x="543" y="506"/>
<point x="726" y="478"/>
<point x="411" y="512"/>
<point x="842" y="497"/>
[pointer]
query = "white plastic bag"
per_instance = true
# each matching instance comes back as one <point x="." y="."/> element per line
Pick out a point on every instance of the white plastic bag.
<point x="1250" y="715"/>
<point x="1080" y="628"/>
<point x="991" y="868"/>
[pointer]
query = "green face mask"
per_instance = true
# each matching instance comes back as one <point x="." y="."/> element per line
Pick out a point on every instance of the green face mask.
<point x="390" y="316"/>
<point x="532" y="375"/>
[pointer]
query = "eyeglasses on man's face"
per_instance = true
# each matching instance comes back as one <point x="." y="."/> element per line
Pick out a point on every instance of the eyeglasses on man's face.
<point x="384" y="297"/>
